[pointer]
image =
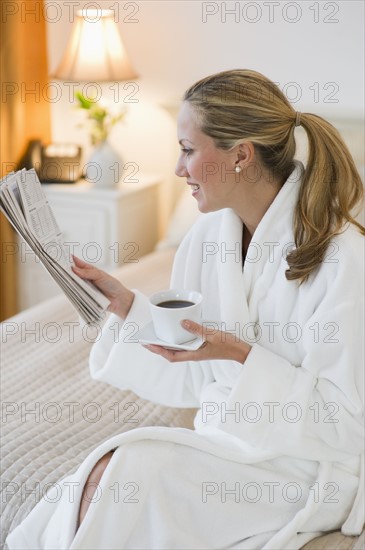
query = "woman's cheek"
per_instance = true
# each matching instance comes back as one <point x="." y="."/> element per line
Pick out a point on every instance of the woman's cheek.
<point x="193" y="171"/>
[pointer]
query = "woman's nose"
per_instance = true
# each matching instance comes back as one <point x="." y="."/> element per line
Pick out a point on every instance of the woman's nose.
<point x="180" y="168"/>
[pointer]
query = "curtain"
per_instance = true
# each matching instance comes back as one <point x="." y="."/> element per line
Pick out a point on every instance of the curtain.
<point x="25" y="114"/>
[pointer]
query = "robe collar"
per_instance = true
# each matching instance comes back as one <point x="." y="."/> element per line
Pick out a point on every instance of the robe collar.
<point x="240" y="290"/>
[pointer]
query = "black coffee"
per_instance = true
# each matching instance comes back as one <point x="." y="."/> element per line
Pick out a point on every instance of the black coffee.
<point x="174" y="304"/>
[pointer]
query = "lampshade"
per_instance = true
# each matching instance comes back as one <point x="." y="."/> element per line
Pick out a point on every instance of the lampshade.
<point x="95" y="51"/>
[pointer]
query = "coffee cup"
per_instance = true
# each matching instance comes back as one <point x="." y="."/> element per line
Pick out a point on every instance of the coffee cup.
<point x="169" y="308"/>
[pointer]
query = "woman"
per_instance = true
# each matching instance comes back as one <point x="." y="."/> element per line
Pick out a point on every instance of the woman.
<point x="276" y="454"/>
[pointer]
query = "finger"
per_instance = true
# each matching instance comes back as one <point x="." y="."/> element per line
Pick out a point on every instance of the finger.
<point x="206" y="331"/>
<point x="171" y="355"/>
<point x="158" y="350"/>
<point x="90" y="273"/>
<point x="79" y="262"/>
<point x="192" y="327"/>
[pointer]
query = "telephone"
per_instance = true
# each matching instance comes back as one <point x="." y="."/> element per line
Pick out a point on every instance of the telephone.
<point x="54" y="163"/>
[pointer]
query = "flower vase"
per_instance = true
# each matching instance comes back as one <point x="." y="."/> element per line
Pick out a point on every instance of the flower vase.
<point x="104" y="167"/>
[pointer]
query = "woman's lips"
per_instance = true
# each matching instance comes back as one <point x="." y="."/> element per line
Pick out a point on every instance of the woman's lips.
<point x="194" y="188"/>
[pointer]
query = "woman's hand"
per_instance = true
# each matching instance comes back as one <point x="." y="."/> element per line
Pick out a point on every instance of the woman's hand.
<point x="120" y="297"/>
<point x="217" y="345"/>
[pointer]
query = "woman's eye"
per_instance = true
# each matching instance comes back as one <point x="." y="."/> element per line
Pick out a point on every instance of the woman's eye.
<point x="187" y="151"/>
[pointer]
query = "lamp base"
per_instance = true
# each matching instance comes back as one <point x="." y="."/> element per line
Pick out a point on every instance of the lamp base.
<point x="104" y="167"/>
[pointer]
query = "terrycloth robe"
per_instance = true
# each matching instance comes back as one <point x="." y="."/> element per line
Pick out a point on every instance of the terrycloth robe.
<point x="277" y="452"/>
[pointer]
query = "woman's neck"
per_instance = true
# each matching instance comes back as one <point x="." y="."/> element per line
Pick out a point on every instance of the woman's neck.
<point x="258" y="198"/>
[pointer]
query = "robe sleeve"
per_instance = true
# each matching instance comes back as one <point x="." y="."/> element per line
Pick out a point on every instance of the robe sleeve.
<point x="118" y="359"/>
<point x="315" y="409"/>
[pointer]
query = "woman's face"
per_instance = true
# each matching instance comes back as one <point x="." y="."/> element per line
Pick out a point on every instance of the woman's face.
<point x="209" y="171"/>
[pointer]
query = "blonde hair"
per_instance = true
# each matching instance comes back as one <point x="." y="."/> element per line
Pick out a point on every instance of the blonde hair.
<point x="242" y="105"/>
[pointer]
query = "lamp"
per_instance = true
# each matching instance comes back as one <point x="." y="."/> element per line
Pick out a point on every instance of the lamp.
<point x="95" y="53"/>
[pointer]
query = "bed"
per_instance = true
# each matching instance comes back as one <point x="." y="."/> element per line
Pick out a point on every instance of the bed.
<point x="54" y="414"/>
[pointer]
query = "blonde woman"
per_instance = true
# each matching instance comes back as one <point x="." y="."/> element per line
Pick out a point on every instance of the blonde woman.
<point x="275" y="457"/>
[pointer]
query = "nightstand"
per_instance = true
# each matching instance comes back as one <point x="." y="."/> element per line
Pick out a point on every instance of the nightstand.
<point x="107" y="228"/>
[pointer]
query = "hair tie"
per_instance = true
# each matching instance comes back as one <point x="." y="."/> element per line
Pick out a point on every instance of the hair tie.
<point x="297" y="119"/>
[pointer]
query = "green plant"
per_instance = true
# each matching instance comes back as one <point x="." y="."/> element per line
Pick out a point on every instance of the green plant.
<point x="101" y="119"/>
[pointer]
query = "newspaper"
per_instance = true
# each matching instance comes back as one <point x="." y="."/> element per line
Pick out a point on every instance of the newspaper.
<point x="26" y="206"/>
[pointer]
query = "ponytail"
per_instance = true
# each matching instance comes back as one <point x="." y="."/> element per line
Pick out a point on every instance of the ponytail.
<point x="331" y="188"/>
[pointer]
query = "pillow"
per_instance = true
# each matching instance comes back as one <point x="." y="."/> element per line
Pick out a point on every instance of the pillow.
<point x="185" y="214"/>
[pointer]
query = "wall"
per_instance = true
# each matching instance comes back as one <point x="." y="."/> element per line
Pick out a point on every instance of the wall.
<point x="314" y="50"/>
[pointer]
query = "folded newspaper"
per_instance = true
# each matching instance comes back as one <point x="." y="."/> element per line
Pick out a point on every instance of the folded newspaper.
<point x="26" y="206"/>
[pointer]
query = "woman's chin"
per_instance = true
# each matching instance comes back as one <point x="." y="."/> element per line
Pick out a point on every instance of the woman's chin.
<point x="206" y="208"/>
<point x="203" y="207"/>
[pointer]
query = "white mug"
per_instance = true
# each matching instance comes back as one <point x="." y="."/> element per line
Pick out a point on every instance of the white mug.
<point x="168" y="310"/>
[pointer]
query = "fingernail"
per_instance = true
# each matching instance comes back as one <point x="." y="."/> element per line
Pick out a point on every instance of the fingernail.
<point x="185" y="323"/>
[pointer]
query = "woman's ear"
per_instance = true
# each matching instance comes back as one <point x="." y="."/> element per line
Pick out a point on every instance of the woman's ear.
<point x="246" y="152"/>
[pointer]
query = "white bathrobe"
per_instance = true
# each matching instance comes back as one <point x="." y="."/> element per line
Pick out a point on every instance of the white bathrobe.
<point x="277" y="451"/>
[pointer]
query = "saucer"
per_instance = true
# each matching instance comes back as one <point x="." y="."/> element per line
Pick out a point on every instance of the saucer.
<point x="147" y="335"/>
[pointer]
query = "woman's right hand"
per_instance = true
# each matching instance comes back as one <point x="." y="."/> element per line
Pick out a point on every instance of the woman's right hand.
<point x="120" y="297"/>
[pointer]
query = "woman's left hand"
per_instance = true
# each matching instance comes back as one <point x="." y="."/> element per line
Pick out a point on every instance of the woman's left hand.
<point x="216" y="345"/>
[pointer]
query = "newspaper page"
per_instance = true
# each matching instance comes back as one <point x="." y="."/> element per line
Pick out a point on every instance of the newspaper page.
<point x="26" y="206"/>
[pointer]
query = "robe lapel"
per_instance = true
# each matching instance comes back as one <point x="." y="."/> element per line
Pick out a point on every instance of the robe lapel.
<point x="232" y="295"/>
<point x="273" y="236"/>
<point x="240" y="291"/>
